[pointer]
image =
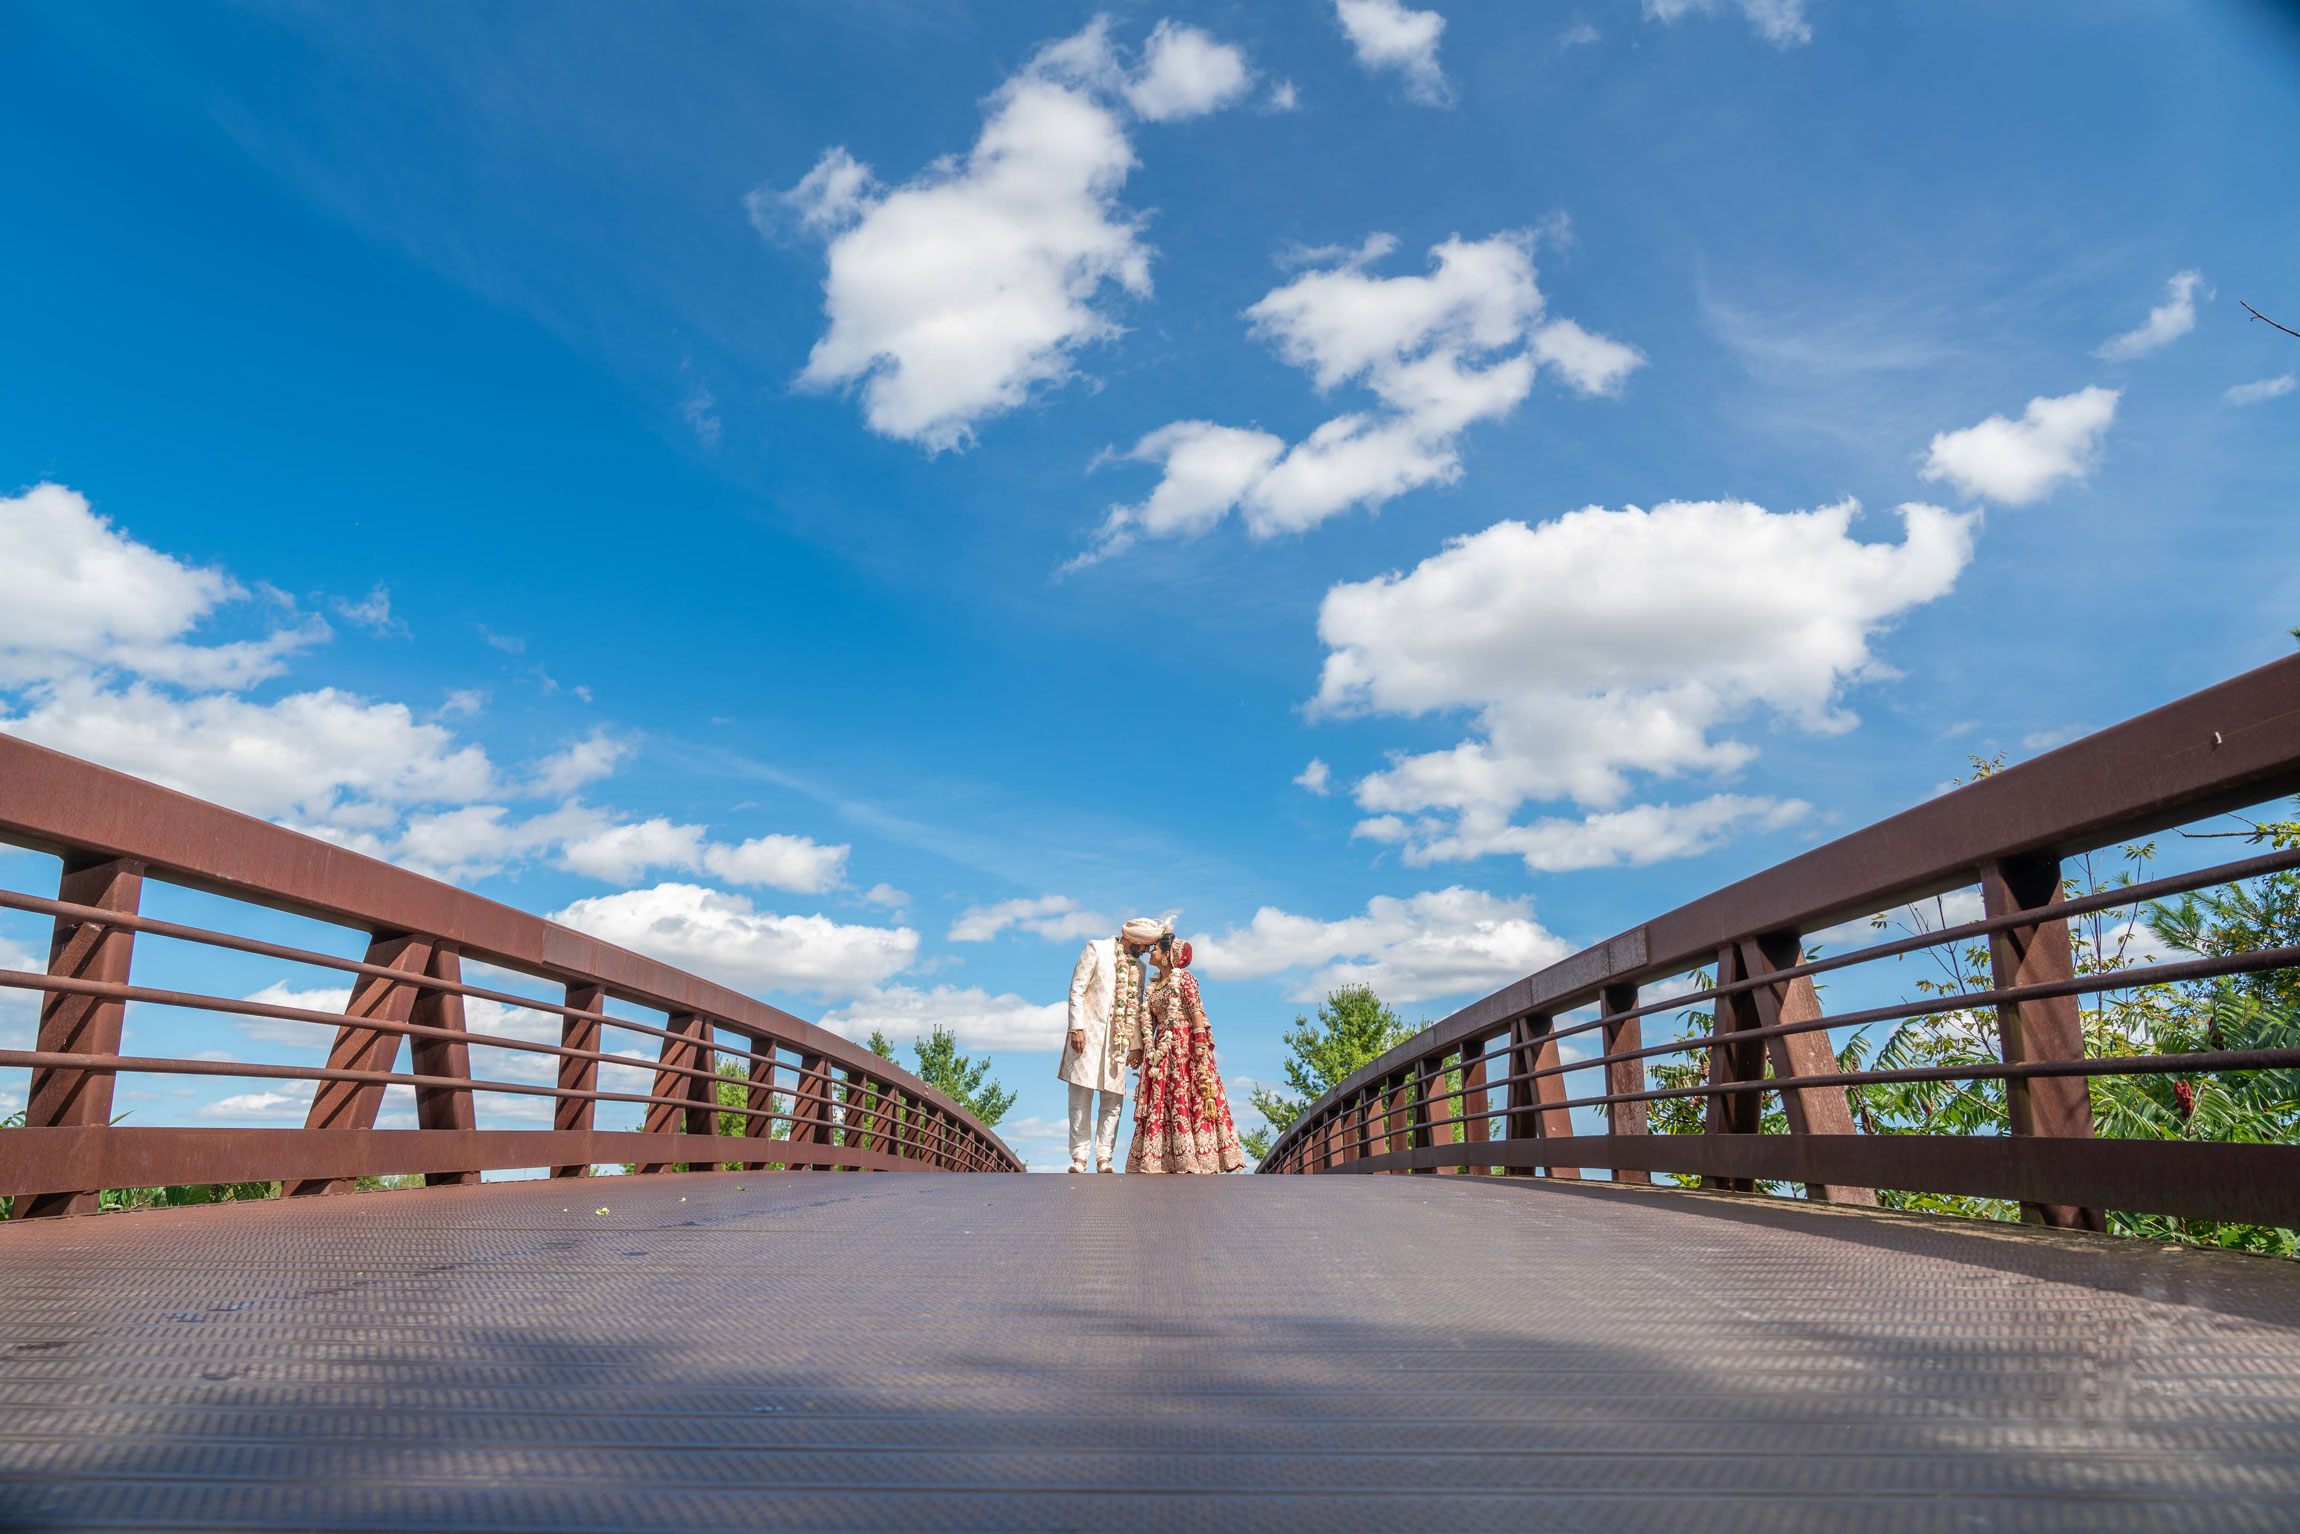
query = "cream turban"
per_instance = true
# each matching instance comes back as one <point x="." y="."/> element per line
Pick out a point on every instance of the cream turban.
<point x="1143" y="929"/>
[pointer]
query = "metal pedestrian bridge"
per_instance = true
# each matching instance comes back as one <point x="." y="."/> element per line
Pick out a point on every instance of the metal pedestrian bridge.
<point x="792" y="1315"/>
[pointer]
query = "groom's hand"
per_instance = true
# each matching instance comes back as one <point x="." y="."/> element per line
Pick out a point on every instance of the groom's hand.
<point x="1078" y="1041"/>
<point x="1134" y="1059"/>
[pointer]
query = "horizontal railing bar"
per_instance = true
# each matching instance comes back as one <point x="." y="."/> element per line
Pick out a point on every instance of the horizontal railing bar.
<point x="2189" y="1179"/>
<point x="2198" y="1062"/>
<point x="2082" y="905"/>
<point x="923" y="1135"/>
<point x="75" y="809"/>
<point x="99" y="916"/>
<point x="130" y="1156"/>
<point x="248" y="1069"/>
<point x="164" y="1065"/>
<point x="2115" y="980"/>
<point x="32" y="980"/>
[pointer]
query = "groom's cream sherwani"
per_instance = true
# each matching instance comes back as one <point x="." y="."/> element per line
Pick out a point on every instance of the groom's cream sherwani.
<point x="1093" y="1002"/>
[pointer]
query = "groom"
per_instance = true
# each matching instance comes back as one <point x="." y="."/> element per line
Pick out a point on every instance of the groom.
<point x="1105" y="1028"/>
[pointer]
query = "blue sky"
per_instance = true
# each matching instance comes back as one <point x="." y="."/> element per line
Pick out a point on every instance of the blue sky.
<point x="858" y="496"/>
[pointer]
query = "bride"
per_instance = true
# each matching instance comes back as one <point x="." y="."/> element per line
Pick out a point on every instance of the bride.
<point x="1181" y="1114"/>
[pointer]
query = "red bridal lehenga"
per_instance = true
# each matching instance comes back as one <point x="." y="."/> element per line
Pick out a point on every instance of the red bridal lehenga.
<point x="1182" y="1115"/>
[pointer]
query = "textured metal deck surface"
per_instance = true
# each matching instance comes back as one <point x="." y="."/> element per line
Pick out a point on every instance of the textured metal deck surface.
<point x="914" y="1351"/>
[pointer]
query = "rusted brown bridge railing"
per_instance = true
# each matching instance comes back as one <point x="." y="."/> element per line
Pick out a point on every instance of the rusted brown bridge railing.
<point x="809" y="1099"/>
<point x="1486" y="1089"/>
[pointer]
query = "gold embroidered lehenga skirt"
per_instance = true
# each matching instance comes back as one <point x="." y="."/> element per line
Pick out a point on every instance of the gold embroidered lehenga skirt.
<point x="1181" y="1114"/>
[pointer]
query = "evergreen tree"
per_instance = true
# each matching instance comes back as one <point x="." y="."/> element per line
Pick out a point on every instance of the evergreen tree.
<point x="1352" y="1028"/>
<point x="946" y="1067"/>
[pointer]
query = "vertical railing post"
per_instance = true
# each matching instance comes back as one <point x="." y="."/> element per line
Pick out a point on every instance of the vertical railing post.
<point x="854" y="1114"/>
<point x="1532" y="1115"/>
<point x="449" y="1108"/>
<point x="2051" y="1028"/>
<point x="1426" y="1085"/>
<point x="1734" y="1113"/>
<point x="1625" y="1035"/>
<point x="580" y="1077"/>
<point x="1398" y="1115"/>
<point x="811" y="1112"/>
<point x="376" y="998"/>
<point x="685" y="1048"/>
<point x="71" y="1097"/>
<point x="759" y="1096"/>
<point x="1476" y="1126"/>
<point x="1809" y="1110"/>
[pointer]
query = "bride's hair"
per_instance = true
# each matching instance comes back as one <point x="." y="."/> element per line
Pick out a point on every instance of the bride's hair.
<point x="1176" y="955"/>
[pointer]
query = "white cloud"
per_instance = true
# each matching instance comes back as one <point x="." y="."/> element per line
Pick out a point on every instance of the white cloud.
<point x="2017" y="462"/>
<point x="1577" y="35"/>
<point x="1055" y="918"/>
<point x="951" y="297"/>
<point x="979" y="1019"/>
<point x="701" y="408"/>
<point x="1387" y="37"/>
<point x="1639" y="835"/>
<point x="1284" y="97"/>
<point x="1593" y="364"/>
<point x="885" y="895"/>
<point x="2166" y="323"/>
<point x="2260" y="390"/>
<point x="1186" y="73"/>
<point x="291" y="1102"/>
<point x="371" y="612"/>
<point x="314" y="755"/>
<point x="1439" y="353"/>
<point x="724" y="938"/>
<point x="1780" y="22"/>
<point x="1447" y="942"/>
<point x="619" y="853"/>
<point x="1608" y="643"/>
<point x="579" y="762"/>
<point x="97" y="659"/>
<point x="795" y="863"/>
<point x="1318" y="778"/>
<point x="78" y="597"/>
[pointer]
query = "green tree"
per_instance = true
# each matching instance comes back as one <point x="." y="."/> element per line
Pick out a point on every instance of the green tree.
<point x="879" y="1046"/>
<point x="1352" y="1027"/>
<point x="946" y="1067"/>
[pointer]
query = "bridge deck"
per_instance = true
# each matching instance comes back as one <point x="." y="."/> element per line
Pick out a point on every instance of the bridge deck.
<point x="912" y="1351"/>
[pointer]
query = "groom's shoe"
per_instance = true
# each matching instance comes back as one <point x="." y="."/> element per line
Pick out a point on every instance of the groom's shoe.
<point x="1105" y="1167"/>
<point x="1075" y="1168"/>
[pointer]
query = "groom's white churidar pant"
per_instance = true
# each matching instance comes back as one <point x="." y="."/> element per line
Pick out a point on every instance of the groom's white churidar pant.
<point x="1103" y="1125"/>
